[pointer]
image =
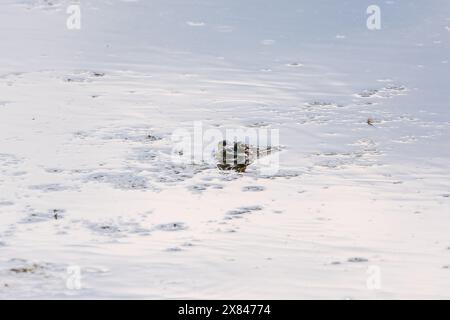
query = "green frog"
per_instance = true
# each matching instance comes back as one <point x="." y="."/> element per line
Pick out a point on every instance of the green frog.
<point x="238" y="156"/>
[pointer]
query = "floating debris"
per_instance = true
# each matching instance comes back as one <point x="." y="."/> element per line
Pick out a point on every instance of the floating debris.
<point x="322" y="104"/>
<point x="294" y="64"/>
<point x="174" y="226"/>
<point x="57" y="213"/>
<point x="253" y="188"/>
<point x="32" y="268"/>
<point x="244" y="210"/>
<point x="368" y="93"/>
<point x="357" y="259"/>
